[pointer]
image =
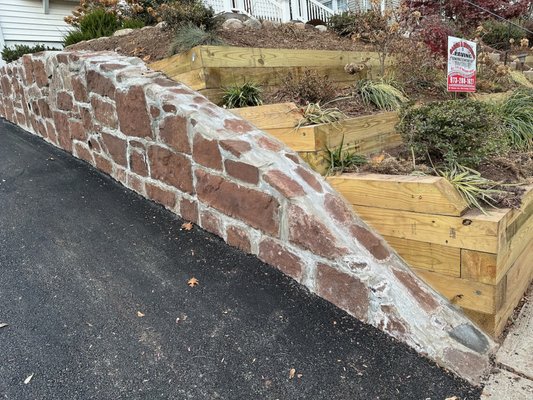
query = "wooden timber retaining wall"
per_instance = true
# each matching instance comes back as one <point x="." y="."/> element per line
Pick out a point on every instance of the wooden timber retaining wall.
<point x="482" y="263"/>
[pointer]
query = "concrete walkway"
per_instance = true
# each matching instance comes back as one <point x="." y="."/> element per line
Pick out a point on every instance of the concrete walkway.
<point x="513" y="377"/>
<point x="93" y="287"/>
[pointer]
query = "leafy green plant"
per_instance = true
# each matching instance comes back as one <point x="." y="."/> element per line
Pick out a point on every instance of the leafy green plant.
<point x="132" y="23"/>
<point x="343" y="24"/>
<point x="381" y="94"/>
<point x="456" y="131"/>
<point x="246" y="95"/>
<point x="309" y="87"/>
<point x="314" y="113"/>
<point x="475" y="190"/>
<point x="10" y="54"/>
<point x="94" y="24"/>
<point x="498" y="33"/>
<point x="340" y="160"/>
<point x="517" y="114"/>
<point x="190" y="36"/>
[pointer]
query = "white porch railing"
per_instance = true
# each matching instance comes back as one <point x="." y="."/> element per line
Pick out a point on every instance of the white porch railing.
<point x="276" y="10"/>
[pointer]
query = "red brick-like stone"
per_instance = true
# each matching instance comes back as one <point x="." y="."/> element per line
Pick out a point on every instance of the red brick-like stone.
<point x="172" y="168"/>
<point x="173" y="132"/>
<point x="77" y="130"/>
<point x="97" y="83"/>
<point x="21" y="119"/>
<point x="44" y="108"/>
<point x="169" y="108"/>
<point x="293" y="157"/>
<point x="135" y="183"/>
<point x="308" y="231"/>
<point x="6" y="86"/>
<point x="255" y="208"/>
<point x="64" y="101"/>
<point x="242" y="171"/>
<point x="39" y="73"/>
<point x="28" y="69"/>
<point x="239" y="238"/>
<point x="108" y="67"/>
<point x="424" y="298"/>
<point x="62" y="128"/>
<point x="138" y="162"/>
<point x="133" y="112"/>
<point x="154" y="112"/>
<point x="51" y="132"/>
<point x="189" y="210"/>
<point x="235" y="147"/>
<point x="343" y="290"/>
<point x="103" y="164"/>
<point x="116" y="148"/>
<point x="238" y="126"/>
<point x="269" y="144"/>
<point x="160" y="195"/>
<point x="309" y="178"/>
<point x="206" y="152"/>
<point x="83" y="152"/>
<point x="372" y="243"/>
<point x="104" y="112"/>
<point x="79" y="90"/>
<point x="339" y="209"/>
<point x="210" y="222"/>
<point x="465" y="363"/>
<point x="393" y="325"/>
<point x="284" y="184"/>
<point x="275" y="254"/>
<point x="86" y="117"/>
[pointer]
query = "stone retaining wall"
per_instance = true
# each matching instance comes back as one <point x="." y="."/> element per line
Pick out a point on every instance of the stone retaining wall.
<point x="173" y="146"/>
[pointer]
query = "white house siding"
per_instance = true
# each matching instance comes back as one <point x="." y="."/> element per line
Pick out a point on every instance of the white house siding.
<point x="24" y="22"/>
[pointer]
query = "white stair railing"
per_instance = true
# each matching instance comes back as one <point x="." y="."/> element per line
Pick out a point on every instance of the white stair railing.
<point x="275" y="10"/>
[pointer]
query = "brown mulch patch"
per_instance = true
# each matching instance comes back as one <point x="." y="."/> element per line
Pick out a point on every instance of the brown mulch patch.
<point x="152" y="44"/>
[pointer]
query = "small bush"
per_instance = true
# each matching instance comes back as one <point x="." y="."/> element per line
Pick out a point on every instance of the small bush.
<point x="132" y="23"/>
<point x="10" y="54"/>
<point x="343" y="23"/>
<point x="245" y="95"/>
<point x="435" y="34"/>
<point x="178" y="14"/>
<point x="310" y="87"/>
<point x="380" y="94"/>
<point x="456" y="131"/>
<point x="497" y="34"/>
<point x="190" y="36"/>
<point x="94" y="24"/>
<point x="314" y="114"/>
<point x="517" y="114"/>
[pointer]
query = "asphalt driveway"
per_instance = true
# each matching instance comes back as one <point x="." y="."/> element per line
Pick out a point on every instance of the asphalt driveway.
<point x="93" y="287"/>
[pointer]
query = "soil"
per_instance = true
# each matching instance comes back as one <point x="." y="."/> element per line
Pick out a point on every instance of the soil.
<point x="153" y="43"/>
<point x="509" y="172"/>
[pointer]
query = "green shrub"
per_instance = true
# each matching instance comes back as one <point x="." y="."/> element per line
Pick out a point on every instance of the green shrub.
<point x="343" y="23"/>
<point x="14" y="53"/>
<point x="132" y="23"/>
<point x="340" y="160"/>
<point x="380" y="94"/>
<point x="178" y="14"/>
<point x="96" y="23"/>
<point x="455" y="132"/>
<point x="190" y="36"/>
<point x="517" y="114"/>
<point x="497" y="34"/>
<point x="245" y="95"/>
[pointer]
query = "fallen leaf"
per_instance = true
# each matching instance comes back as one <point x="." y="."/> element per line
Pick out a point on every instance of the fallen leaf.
<point x="187" y="226"/>
<point x="147" y="58"/>
<point x="299" y="376"/>
<point x="378" y="159"/>
<point x="292" y="372"/>
<point x="193" y="282"/>
<point x="3" y="325"/>
<point x="140" y="314"/>
<point x="28" y="379"/>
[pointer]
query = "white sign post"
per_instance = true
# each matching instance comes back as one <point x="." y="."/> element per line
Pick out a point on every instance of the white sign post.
<point x="461" y="65"/>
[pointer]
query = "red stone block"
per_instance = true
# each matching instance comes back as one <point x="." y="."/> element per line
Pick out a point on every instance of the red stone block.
<point x="161" y="196"/>
<point x="253" y="207"/>
<point x="64" y="101"/>
<point x="189" y="210"/>
<point x="133" y="113"/>
<point x="103" y="164"/>
<point x="79" y="89"/>
<point x="343" y="290"/>
<point x="83" y="152"/>
<point x="242" y="171"/>
<point x="235" y="147"/>
<point x="275" y="254"/>
<point x="206" y="152"/>
<point x="372" y="243"/>
<point x="116" y="148"/>
<point x="284" y="184"/>
<point x="99" y="84"/>
<point x="173" y="132"/>
<point x="171" y="168"/>
<point x="138" y="162"/>
<point x="309" y="178"/>
<point x="104" y="112"/>
<point x="239" y="238"/>
<point x="210" y="222"/>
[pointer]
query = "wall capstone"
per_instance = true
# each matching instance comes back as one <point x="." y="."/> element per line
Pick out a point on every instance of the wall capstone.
<point x="171" y="145"/>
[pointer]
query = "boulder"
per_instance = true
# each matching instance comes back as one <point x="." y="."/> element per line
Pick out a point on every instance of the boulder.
<point x="233" y="24"/>
<point x="123" y="32"/>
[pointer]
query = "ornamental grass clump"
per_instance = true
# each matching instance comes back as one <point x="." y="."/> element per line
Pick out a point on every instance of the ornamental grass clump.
<point x="246" y="95"/>
<point x="517" y="114"/>
<point x="380" y="94"/>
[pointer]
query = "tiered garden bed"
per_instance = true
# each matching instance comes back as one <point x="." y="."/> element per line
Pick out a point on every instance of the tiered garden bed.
<point x="366" y="134"/>
<point x="208" y="69"/>
<point x="482" y="263"/>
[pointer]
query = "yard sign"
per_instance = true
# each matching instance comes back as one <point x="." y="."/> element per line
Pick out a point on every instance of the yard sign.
<point x="461" y="65"/>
